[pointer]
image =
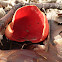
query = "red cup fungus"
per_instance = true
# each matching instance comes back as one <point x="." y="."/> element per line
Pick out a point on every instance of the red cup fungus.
<point x="28" y="24"/>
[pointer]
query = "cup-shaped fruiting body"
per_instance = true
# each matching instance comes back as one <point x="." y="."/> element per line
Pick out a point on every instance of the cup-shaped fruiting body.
<point x="28" y="24"/>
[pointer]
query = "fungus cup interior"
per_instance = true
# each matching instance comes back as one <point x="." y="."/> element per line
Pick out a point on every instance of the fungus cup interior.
<point x="28" y="24"/>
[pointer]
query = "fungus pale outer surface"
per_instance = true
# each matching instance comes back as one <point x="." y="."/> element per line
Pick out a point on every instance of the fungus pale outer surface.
<point x="28" y="24"/>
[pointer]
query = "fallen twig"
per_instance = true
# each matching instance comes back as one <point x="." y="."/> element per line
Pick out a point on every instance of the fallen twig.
<point x="47" y="5"/>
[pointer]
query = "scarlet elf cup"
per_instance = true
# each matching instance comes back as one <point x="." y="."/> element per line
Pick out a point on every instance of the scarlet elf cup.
<point x="28" y="24"/>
